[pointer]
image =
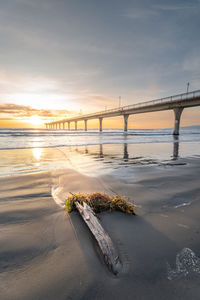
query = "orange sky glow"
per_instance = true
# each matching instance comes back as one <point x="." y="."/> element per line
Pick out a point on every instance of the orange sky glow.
<point x="37" y="119"/>
<point x="28" y="102"/>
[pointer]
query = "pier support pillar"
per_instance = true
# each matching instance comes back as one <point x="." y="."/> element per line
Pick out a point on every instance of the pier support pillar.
<point x="177" y="114"/>
<point x="126" y="122"/>
<point x="68" y="125"/>
<point x="56" y="126"/>
<point x="76" y="125"/>
<point x="100" y="124"/>
<point x="176" y="147"/>
<point x="63" y="125"/>
<point x="85" y="125"/>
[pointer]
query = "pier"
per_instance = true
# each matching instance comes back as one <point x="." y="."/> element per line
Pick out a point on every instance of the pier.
<point x="176" y="103"/>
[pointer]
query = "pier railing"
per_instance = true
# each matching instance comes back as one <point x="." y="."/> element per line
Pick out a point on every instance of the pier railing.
<point x="166" y="100"/>
<point x="177" y="103"/>
<point x="127" y="108"/>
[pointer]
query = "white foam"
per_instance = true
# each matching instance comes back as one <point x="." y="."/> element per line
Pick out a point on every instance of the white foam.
<point x="183" y="225"/>
<point x="56" y="193"/>
<point x="183" y="204"/>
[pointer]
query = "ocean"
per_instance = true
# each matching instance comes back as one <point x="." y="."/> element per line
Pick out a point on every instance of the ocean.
<point x="33" y="150"/>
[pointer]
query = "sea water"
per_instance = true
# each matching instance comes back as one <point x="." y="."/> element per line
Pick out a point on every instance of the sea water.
<point x="33" y="150"/>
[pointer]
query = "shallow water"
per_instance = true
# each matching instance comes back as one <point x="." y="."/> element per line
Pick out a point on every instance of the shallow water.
<point x="93" y="153"/>
<point x="95" y="159"/>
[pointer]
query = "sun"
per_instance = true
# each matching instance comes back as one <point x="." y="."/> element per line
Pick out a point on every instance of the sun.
<point x="35" y="120"/>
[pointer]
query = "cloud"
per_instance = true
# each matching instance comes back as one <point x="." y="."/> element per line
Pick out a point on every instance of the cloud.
<point x="174" y="7"/>
<point x="140" y="14"/>
<point x="51" y="93"/>
<point x="21" y="111"/>
<point x="155" y="10"/>
<point x="16" y="110"/>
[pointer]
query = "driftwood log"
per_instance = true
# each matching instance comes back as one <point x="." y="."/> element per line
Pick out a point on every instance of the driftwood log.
<point x="105" y="243"/>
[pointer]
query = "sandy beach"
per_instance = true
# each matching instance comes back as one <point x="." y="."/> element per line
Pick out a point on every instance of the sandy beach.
<point x="47" y="253"/>
<point x="99" y="97"/>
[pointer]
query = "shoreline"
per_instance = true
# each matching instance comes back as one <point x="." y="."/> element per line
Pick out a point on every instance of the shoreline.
<point x="46" y="253"/>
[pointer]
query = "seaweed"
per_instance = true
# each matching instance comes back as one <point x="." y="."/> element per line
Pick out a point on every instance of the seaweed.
<point x="100" y="202"/>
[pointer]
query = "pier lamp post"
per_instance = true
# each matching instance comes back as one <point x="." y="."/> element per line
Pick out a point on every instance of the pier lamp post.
<point x="188" y="84"/>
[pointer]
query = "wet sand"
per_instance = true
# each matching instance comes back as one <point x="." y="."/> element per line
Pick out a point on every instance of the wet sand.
<point x="47" y="254"/>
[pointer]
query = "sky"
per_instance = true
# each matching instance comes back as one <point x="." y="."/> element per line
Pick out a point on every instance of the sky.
<point x="59" y="58"/>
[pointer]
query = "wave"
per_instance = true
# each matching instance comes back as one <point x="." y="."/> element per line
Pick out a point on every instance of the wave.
<point x="29" y="138"/>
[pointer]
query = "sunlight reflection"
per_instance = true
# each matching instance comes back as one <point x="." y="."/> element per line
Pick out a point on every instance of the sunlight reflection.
<point x="37" y="153"/>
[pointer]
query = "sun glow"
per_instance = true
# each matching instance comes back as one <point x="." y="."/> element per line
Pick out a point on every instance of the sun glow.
<point x="35" y="120"/>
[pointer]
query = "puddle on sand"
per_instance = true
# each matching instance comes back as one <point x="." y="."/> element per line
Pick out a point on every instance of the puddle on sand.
<point x="177" y="202"/>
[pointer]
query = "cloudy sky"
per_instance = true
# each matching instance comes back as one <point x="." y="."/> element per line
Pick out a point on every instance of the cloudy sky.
<point x="62" y="57"/>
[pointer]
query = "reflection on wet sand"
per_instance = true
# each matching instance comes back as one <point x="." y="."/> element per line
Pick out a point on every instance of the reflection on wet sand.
<point x="37" y="149"/>
<point x="176" y="148"/>
<point x="37" y="153"/>
<point x="86" y="150"/>
<point x="100" y="151"/>
<point x="127" y="154"/>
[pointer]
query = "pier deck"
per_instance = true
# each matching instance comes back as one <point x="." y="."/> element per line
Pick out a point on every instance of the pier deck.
<point x="176" y="103"/>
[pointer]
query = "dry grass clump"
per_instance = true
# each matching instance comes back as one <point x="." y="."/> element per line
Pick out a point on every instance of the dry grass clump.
<point x="100" y="202"/>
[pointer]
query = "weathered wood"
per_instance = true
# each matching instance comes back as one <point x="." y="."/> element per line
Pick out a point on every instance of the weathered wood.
<point x="105" y="243"/>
